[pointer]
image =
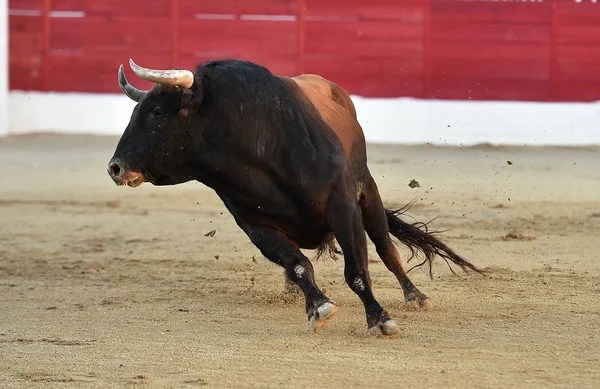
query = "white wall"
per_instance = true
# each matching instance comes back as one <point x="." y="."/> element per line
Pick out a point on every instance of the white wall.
<point x="383" y="120"/>
<point x="103" y="114"/>
<point x="468" y="122"/>
<point x="3" y="67"/>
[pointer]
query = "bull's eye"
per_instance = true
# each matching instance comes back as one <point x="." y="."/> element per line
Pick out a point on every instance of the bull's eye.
<point x="157" y="111"/>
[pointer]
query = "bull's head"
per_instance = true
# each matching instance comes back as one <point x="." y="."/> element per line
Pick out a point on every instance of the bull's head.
<point x="151" y="148"/>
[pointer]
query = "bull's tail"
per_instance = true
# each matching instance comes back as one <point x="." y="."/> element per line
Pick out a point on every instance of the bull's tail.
<point x="420" y="240"/>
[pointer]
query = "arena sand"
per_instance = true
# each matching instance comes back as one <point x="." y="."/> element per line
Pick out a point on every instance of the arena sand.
<point x="108" y="287"/>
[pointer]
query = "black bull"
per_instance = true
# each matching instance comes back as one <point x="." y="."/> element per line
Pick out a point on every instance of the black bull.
<point x="288" y="159"/>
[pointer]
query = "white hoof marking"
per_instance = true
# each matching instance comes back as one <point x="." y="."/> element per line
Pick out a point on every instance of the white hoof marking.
<point x="322" y="315"/>
<point x="387" y="329"/>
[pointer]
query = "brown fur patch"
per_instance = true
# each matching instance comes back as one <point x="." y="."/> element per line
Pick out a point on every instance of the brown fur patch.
<point x="132" y="179"/>
<point x="325" y="96"/>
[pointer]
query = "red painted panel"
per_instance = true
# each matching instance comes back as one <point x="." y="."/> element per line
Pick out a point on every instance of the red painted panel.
<point x="406" y="10"/>
<point x="574" y="63"/>
<point x="25" y="43"/>
<point x="241" y="37"/>
<point x="473" y="30"/>
<point x="492" y="11"/>
<point x="111" y="8"/>
<point x="68" y="5"/>
<point x="488" y="89"/>
<point x="25" y="34"/>
<point x="468" y="49"/>
<point x="584" y="13"/>
<point x="373" y="67"/>
<point x="482" y="50"/>
<point x="368" y="30"/>
<point x="375" y="87"/>
<point x="364" y="48"/>
<point x="238" y="7"/>
<point x="110" y="34"/>
<point x="25" y="48"/>
<point x="25" y="72"/>
<point x="24" y="4"/>
<point x="577" y="55"/>
<point x="372" y="77"/>
<point x="503" y="69"/>
<point x="578" y="70"/>
<point x="387" y="39"/>
<point x="490" y="50"/>
<point x="578" y="34"/>
<point x="578" y="90"/>
<point x="576" y="52"/>
<point x="98" y="73"/>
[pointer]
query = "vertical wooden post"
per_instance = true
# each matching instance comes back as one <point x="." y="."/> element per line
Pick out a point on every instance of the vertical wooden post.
<point x="46" y="4"/>
<point x="426" y="47"/>
<point x="301" y="31"/>
<point x="174" y="33"/>
<point x="553" y="60"/>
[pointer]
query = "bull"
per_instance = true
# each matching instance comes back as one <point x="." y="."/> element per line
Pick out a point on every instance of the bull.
<point x="288" y="159"/>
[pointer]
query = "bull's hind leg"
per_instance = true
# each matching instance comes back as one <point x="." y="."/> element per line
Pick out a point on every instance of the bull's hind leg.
<point x="376" y="226"/>
<point x="298" y="269"/>
<point x="345" y="221"/>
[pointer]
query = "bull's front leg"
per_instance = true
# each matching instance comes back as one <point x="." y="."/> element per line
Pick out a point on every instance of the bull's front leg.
<point x="298" y="270"/>
<point x="290" y="286"/>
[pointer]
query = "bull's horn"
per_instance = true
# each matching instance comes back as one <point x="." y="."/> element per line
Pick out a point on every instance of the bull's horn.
<point x="130" y="91"/>
<point x="183" y="78"/>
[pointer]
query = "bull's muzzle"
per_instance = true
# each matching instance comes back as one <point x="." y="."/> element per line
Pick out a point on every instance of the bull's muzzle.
<point x="121" y="175"/>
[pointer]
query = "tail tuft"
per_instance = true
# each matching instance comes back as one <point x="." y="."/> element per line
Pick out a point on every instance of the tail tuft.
<point x="420" y="240"/>
<point x="328" y="249"/>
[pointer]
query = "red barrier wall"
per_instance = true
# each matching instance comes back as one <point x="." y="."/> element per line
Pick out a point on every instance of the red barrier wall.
<point x="541" y="50"/>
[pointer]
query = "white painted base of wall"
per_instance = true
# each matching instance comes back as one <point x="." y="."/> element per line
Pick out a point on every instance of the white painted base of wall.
<point x="79" y="113"/>
<point x="383" y="120"/>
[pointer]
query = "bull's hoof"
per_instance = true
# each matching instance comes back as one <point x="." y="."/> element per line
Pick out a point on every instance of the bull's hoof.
<point x="321" y="315"/>
<point x="418" y="302"/>
<point x="385" y="329"/>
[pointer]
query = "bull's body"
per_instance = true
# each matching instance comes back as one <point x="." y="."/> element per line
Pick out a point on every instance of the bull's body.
<point x="288" y="159"/>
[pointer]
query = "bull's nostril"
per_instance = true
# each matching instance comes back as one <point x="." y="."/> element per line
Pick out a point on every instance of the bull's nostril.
<point x="115" y="169"/>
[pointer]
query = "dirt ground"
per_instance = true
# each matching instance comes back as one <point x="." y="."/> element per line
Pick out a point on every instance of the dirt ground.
<point x="108" y="287"/>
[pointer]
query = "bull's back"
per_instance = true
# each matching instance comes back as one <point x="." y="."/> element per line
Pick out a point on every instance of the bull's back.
<point x="313" y="83"/>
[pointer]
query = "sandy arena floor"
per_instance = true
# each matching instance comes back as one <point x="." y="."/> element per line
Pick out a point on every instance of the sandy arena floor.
<point x="111" y="287"/>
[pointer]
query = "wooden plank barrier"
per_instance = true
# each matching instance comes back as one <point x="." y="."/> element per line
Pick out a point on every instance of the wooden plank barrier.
<point x="528" y="50"/>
